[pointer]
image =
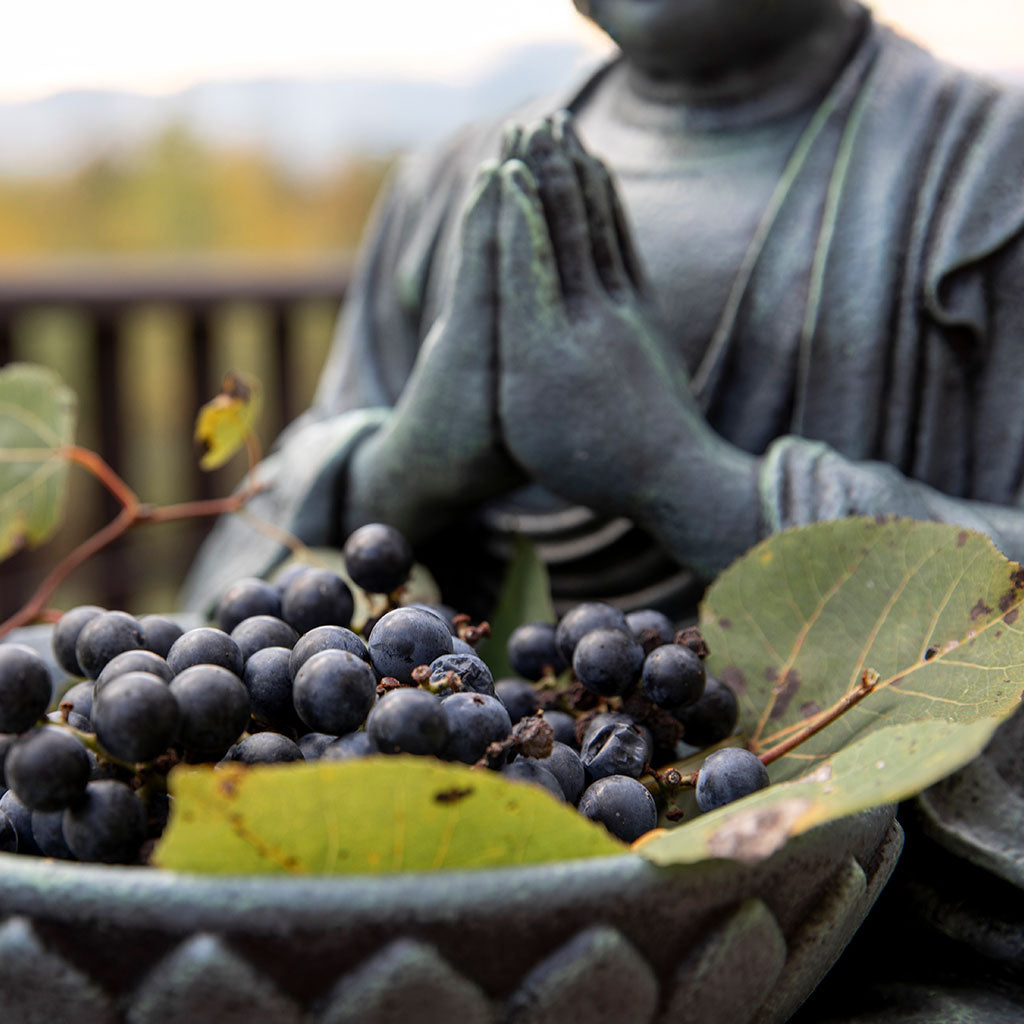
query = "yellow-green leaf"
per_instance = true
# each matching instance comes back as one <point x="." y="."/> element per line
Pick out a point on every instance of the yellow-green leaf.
<point x="376" y="815"/>
<point x="933" y="609"/>
<point x="225" y="423"/>
<point x="37" y="419"/>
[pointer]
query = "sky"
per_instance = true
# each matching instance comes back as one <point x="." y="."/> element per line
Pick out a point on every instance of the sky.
<point x="156" y="46"/>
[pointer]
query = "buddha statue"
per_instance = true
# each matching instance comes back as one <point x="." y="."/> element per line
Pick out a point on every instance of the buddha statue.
<point x="762" y="268"/>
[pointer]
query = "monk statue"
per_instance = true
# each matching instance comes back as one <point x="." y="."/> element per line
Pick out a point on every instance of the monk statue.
<point x="762" y="268"/>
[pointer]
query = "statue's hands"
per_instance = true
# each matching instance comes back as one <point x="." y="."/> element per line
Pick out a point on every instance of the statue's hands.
<point x="590" y="392"/>
<point x="594" y="402"/>
<point x="441" y="447"/>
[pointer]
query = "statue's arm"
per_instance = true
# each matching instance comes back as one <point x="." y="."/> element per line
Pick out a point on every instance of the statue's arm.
<point x="440" y="448"/>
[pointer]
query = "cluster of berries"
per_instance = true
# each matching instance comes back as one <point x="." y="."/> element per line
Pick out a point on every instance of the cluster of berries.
<point x="283" y="677"/>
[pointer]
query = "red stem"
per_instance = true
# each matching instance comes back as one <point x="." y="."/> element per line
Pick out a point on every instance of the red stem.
<point x="868" y="682"/>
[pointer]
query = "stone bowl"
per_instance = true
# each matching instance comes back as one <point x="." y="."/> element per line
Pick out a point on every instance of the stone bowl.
<point x="611" y="939"/>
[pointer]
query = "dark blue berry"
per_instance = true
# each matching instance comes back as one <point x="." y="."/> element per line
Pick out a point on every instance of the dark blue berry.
<point x="378" y="558"/>
<point x="246" y="598"/>
<point x="525" y="769"/>
<point x="563" y="726"/>
<point x="622" y="805"/>
<point x="317" y="597"/>
<point x="608" y="661"/>
<point x="80" y="698"/>
<point x="564" y="763"/>
<point x="651" y="627"/>
<point x="313" y="744"/>
<point x="474" y="721"/>
<point x="136" y="717"/>
<point x="214" y="708"/>
<point x="519" y="698"/>
<point x="532" y="650"/>
<point x="582" y="619"/>
<point x="326" y="638"/>
<point x="48" y="768"/>
<point x="285" y="576"/>
<point x="712" y="717"/>
<point x="107" y="825"/>
<point x="65" y="636"/>
<point x="48" y="833"/>
<point x="673" y="676"/>
<point x="161" y="632"/>
<point x="205" y="645"/>
<point x="349" y="747"/>
<point x="268" y="679"/>
<point x="265" y="748"/>
<point x="407" y="721"/>
<point x="24" y="687"/>
<point x="259" y="631"/>
<point x="133" y="661"/>
<point x="405" y="638"/>
<point x="333" y="691"/>
<point x="104" y="637"/>
<point x="727" y="775"/>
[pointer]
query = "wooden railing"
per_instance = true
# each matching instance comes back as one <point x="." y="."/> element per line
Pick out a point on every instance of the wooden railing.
<point x="144" y="344"/>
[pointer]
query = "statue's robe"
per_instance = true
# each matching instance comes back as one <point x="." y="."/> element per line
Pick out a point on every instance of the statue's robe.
<point x="880" y="316"/>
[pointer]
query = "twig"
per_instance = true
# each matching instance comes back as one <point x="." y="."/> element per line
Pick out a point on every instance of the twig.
<point x="134" y="513"/>
<point x="868" y="681"/>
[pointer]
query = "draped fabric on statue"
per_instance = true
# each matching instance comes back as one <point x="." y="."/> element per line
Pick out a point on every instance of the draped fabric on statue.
<point x="879" y="315"/>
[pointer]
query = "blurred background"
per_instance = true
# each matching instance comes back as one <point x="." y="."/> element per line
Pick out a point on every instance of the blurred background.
<point x="182" y="187"/>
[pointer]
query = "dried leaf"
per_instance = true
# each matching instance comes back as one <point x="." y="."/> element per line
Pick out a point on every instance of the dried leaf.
<point x="225" y="423"/>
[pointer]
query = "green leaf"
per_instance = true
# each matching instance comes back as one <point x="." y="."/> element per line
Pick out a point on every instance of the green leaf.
<point x="525" y="597"/>
<point x="37" y="419"/>
<point x="372" y="816"/>
<point x="792" y="627"/>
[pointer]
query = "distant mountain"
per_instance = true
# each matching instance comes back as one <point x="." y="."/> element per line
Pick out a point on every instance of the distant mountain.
<point x="306" y="124"/>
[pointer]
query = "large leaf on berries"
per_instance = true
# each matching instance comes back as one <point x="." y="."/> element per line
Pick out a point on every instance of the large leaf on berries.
<point x="37" y="419"/>
<point x="794" y="625"/>
<point x="525" y="597"/>
<point x="377" y="815"/>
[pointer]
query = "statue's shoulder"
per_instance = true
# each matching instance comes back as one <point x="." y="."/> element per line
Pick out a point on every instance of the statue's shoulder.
<point x="903" y="66"/>
<point x="963" y="131"/>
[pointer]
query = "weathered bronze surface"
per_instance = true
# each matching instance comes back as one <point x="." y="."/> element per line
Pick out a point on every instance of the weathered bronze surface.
<point x="606" y="941"/>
